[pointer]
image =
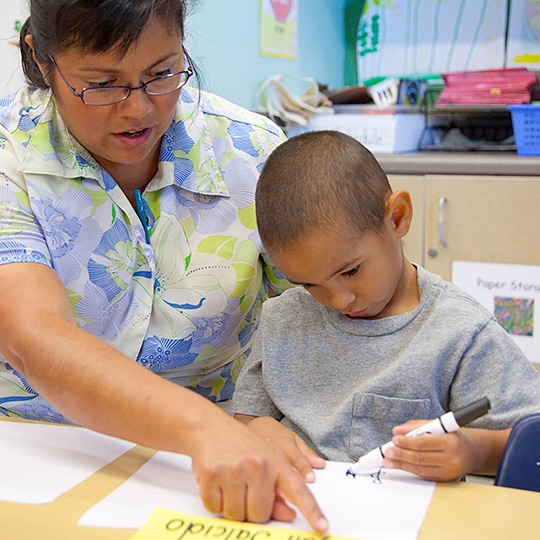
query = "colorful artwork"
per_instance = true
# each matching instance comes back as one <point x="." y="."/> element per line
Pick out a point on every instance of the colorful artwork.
<point x="515" y="315"/>
<point x="278" y="28"/>
<point x="524" y="34"/>
<point x="398" y="38"/>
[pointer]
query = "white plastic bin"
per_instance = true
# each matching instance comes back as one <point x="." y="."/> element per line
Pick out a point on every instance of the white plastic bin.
<point x="381" y="132"/>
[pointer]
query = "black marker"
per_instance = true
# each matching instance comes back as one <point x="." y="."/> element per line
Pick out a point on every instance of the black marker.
<point x="451" y="421"/>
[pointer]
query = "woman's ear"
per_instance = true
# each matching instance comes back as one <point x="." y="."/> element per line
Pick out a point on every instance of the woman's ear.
<point x="399" y="211"/>
<point x="30" y="42"/>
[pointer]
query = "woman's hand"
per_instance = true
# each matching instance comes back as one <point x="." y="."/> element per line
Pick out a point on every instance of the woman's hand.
<point x="447" y="456"/>
<point x="240" y="474"/>
<point x="299" y="453"/>
<point x="244" y="477"/>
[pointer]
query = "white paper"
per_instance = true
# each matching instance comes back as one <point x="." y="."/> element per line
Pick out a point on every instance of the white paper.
<point x="511" y="292"/>
<point x="40" y="462"/>
<point x="523" y="48"/>
<point x="359" y="507"/>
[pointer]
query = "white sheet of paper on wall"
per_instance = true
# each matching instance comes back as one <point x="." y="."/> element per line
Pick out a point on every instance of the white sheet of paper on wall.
<point x="400" y="39"/>
<point x="511" y="292"/>
<point x="523" y="49"/>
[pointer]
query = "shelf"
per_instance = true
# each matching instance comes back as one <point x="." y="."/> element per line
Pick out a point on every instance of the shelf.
<point x="463" y="163"/>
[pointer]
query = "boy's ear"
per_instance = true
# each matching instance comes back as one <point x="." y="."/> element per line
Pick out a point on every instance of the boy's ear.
<point x="399" y="211"/>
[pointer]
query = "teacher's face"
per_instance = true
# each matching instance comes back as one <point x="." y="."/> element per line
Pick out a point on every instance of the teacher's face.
<point x="124" y="137"/>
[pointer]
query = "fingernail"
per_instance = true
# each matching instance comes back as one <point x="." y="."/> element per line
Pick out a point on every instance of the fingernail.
<point x="322" y="525"/>
<point x="310" y="477"/>
<point x="389" y="453"/>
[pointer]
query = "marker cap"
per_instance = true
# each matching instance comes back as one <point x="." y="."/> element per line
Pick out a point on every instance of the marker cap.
<point x="473" y="411"/>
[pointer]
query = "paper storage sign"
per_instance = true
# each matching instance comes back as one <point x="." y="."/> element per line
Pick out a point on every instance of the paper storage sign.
<point x="511" y="292"/>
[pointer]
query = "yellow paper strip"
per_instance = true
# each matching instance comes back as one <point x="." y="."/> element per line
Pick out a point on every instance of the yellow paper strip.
<point x="170" y="525"/>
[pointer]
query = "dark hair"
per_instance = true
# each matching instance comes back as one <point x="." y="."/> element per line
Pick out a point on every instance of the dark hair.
<point x="319" y="180"/>
<point x="94" y="26"/>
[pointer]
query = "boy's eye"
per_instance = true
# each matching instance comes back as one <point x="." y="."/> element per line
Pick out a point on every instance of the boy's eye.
<point x="352" y="271"/>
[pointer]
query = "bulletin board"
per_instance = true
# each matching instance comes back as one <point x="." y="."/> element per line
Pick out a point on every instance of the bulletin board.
<point x="14" y="13"/>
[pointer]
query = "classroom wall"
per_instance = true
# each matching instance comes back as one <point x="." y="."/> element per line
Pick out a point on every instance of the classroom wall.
<point x="224" y="41"/>
<point x="223" y="38"/>
<point x="11" y="76"/>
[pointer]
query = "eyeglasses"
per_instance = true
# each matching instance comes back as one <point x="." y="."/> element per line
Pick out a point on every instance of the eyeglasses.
<point x="109" y="95"/>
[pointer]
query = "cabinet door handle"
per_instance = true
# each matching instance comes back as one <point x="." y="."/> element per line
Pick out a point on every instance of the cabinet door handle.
<point x="442" y="203"/>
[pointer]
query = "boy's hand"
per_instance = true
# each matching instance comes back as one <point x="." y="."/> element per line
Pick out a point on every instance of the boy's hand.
<point x="303" y="458"/>
<point x="441" y="458"/>
<point x="448" y="456"/>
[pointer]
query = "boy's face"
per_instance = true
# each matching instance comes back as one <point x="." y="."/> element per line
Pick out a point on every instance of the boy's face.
<point x="364" y="277"/>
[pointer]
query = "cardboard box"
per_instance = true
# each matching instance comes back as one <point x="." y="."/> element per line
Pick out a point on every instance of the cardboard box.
<point x="380" y="132"/>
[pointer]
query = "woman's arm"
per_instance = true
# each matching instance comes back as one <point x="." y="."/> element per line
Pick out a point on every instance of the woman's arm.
<point x="98" y="387"/>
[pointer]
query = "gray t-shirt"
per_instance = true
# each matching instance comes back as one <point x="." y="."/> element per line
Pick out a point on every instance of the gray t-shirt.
<point x="342" y="384"/>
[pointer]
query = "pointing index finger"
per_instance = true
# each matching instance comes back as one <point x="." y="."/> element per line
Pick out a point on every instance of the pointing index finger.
<point x="293" y="489"/>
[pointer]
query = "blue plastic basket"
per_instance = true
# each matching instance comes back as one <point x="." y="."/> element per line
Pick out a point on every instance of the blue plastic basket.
<point x="526" y="125"/>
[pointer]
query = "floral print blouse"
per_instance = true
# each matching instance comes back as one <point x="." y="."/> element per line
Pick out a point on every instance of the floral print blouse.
<point x="178" y="285"/>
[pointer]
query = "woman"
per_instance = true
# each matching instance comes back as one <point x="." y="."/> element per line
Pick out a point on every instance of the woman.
<point x="128" y="246"/>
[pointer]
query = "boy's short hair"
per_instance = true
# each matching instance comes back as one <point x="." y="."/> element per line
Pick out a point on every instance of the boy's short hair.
<point x="316" y="181"/>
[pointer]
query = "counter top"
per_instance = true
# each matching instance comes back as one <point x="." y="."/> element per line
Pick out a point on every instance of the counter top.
<point x="460" y="163"/>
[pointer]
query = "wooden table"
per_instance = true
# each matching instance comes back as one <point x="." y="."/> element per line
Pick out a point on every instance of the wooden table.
<point x="458" y="510"/>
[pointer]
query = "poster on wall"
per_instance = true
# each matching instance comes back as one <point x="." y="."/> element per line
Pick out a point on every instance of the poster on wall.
<point x="511" y="292"/>
<point x="278" y="28"/>
<point x="523" y="49"/>
<point x="400" y="38"/>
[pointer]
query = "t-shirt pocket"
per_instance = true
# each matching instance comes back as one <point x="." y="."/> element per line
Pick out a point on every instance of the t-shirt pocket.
<point x="374" y="416"/>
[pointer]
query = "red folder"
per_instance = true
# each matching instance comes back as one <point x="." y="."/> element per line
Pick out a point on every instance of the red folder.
<point x="496" y="86"/>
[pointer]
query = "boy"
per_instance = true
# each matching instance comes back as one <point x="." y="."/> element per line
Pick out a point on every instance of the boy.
<point x="370" y="341"/>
